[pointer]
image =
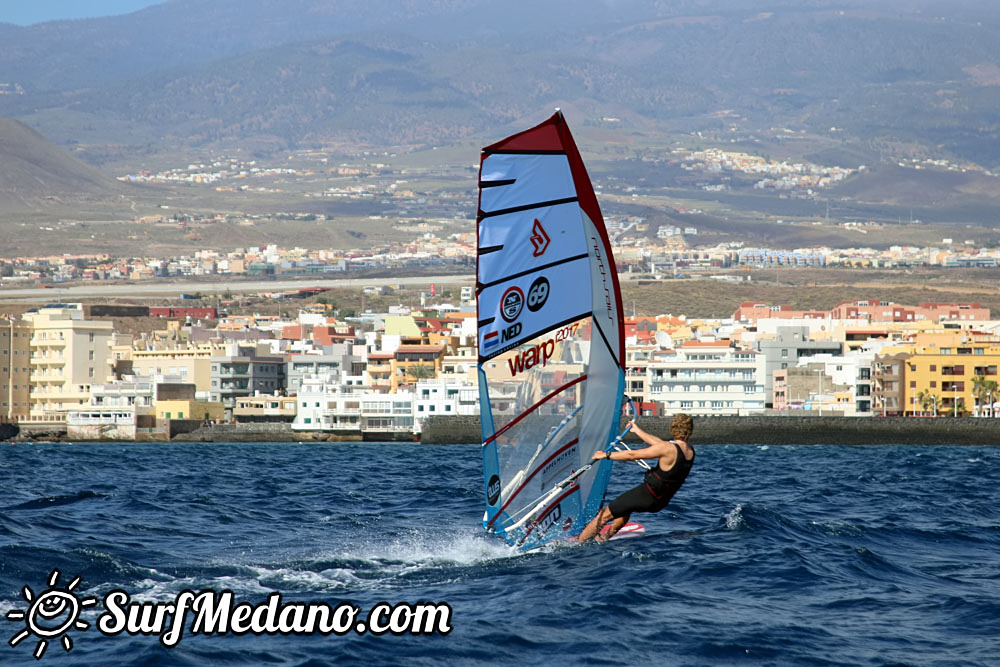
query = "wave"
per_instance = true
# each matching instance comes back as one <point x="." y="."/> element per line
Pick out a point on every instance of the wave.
<point x="56" y="501"/>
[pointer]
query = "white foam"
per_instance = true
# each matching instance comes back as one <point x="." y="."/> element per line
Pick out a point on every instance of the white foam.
<point x="734" y="519"/>
<point x="429" y="548"/>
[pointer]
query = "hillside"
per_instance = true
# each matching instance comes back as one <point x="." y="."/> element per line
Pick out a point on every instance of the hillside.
<point x="895" y="79"/>
<point x="35" y="173"/>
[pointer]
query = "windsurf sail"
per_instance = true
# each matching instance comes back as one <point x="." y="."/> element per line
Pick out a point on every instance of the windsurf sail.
<point x="551" y="342"/>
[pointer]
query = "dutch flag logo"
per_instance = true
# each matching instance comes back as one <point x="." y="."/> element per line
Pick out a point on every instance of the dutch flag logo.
<point x="492" y="339"/>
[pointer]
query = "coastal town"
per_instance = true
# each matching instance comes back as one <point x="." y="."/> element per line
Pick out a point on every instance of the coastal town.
<point x="670" y="254"/>
<point x="91" y="371"/>
<point x="68" y="370"/>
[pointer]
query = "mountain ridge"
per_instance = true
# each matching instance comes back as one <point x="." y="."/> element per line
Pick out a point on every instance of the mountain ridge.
<point x="198" y="73"/>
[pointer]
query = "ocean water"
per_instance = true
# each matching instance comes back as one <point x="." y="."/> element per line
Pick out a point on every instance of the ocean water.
<point x="795" y="555"/>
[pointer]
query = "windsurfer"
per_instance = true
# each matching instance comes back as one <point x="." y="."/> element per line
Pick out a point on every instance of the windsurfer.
<point x="660" y="483"/>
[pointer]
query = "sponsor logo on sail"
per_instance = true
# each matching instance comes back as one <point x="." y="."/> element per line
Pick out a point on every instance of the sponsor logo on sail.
<point x="538" y="294"/>
<point x="560" y="466"/>
<point x="530" y="357"/>
<point x="604" y="277"/>
<point x="493" y="490"/>
<point x="550" y="518"/>
<point x="539" y="239"/>
<point x="511" y="303"/>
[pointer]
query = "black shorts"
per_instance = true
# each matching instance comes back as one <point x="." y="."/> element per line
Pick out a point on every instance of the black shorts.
<point x="636" y="499"/>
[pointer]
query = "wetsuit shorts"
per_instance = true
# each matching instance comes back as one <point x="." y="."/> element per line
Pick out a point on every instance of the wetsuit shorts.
<point x="637" y="499"/>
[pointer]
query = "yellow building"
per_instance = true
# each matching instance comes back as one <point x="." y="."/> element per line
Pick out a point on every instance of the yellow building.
<point x="266" y="408"/>
<point x="418" y="362"/>
<point x="404" y="326"/>
<point x="68" y="355"/>
<point x="190" y="409"/>
<point x="940" y="371"/>
<point x="191" y="363"/>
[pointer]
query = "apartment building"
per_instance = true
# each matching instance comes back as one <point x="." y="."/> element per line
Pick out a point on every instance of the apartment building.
<point x="327" y="407"/>
<point x="945" y="373"/>
<point x="343" y="360"/>
<point x="245" y="370"/>
<point x="786" y="349"/>
<point x="68" y="355"/>
<point x="189" y="362"/>
<point x="15" y="369"/>
<point x="707" y="378"/>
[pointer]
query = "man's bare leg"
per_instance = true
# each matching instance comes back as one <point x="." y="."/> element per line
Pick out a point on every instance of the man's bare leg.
<point x="594" y="527"/>
<point x="616" y="525"/>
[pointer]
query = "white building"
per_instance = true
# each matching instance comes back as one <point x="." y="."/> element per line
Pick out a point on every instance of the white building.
<point x="707" y="378"/>
<point x="440" y="397"/>
<point x="325" y="405"/>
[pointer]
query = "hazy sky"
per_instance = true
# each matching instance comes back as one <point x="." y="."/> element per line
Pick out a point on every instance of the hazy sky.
<point x="26" y="12"/>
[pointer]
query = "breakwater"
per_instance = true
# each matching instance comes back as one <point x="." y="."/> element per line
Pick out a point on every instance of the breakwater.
<point x="779" y="430"/>
<point x="750" y="430"/>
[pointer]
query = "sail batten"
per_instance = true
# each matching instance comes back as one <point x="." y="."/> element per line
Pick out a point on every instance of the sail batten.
<point x="515" y="276"/>
<point x="551" y="343"/>
<point x="526" y="207"/>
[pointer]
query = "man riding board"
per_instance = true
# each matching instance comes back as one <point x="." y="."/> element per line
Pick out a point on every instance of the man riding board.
<point x="674" y="460"/>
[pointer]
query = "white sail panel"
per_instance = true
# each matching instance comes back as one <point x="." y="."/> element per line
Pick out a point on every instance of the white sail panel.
<point x="518" y="242"/>
<point x="530" y="179"/>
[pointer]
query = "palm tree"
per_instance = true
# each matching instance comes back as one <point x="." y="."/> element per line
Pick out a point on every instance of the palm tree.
<point x="992" y="390"/>
<point x="926" y="399"/>
<point x="978" y="393"/>
<point x="421" y="371"/>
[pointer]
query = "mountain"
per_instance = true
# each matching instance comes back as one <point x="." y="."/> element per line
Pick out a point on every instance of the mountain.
<point x="34" y="172"/>
<point x="890" y="78"/>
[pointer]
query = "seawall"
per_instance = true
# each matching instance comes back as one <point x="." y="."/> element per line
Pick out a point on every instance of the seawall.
<point x="779" y="430"/>
<point x="752" y="430"/>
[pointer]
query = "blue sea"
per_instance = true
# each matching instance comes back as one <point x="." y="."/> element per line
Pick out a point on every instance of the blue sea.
<point x="792" y="555"/>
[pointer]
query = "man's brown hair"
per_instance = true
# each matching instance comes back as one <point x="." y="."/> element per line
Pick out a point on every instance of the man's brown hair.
<point x="681" y="426"/>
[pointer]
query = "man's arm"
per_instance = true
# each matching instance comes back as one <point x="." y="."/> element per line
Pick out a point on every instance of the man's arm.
<point x="651" y="440"/>
<point x="657" y="448"/>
